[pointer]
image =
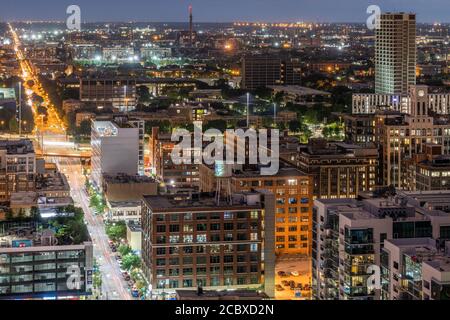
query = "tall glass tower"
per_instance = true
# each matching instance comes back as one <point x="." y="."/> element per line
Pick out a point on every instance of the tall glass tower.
<point x="395" y="53"/>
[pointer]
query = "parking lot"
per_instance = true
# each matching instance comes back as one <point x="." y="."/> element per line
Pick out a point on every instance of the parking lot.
<point x="296" y="271"/>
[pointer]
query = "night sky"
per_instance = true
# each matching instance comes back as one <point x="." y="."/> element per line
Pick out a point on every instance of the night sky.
<point x="221" y="10"/>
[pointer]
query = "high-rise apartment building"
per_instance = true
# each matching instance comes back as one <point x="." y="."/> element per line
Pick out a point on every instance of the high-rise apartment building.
<point x="349" y="236"/>
<point x="34" y="266"/>
<point x="262" y="71"/>
<point x="116" y="92"/>
<point x="429" y="170"/>
<point x="416" y="269"/>
<point x="176" y="177"/>
<point x="17" y="168"/>
<point x="117" y="148"/>
<point x="339" y="170"/>
<point x="195" y="241"/>
<point x="401" y="136"/>
<point x="294" y="201"/>
<point x="395" y="53"/>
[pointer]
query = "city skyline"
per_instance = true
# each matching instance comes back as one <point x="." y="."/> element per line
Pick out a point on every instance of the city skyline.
<point x="214" y="11"/>
<point x="283" y="151"/>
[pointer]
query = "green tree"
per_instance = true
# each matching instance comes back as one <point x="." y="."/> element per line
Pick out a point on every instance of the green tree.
<point x="124" y="250"/>
<point x="131" y="261"/>
<point x="117" y="231"/>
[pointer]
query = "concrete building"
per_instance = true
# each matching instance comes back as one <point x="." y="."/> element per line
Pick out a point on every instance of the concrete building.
<point x="134" y="236"/>
<point x="155" y="53"/>
<point x="370" y="103"/>
<point x="429" y="170"/>
<point x="17" y="168"/>
<point x="176" y="178"/>
<point x="52" y="188"/>
<point x="349" y="236"/>
<point x="359" y="128"/>
<point x="431" y="200"/>
<point x="416" y="269"/>
<point x="123" y="210"/>
<point x="122" y="187"/>
<point x="84" y="51"/>
<point x="232" y="295"/>
<point x="264" y="71"/>
<point x="189" y="112"/>
<point x="339" y="170"/>
<point x="401" y="136"/>
<point x="115" y="150"/>
<point x="294" y="201"/>
<point x="116" y="92"/>
<point x="395" y="53"/>
<point x="32" y="266"/>
<point x="195" y="241"/>
<point x="119" y="54"/>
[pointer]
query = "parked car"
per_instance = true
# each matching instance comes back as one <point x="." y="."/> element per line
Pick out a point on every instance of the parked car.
<point x="282" y="274"/>
<point x="127" y="278"/>
<point x="279" y="288"/>
<point x="135" y="292"/>
<point x="285" y="283"/>
<point x="295" y="274"/>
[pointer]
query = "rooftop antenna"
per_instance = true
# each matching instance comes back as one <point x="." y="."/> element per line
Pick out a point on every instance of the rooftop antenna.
<point x="191" y="26"/>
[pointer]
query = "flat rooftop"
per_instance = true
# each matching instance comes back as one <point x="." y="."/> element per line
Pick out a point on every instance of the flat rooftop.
<point x="134" y="227"/>
<point x="284" y="172"/>
<point x="124" y="178"/>
<point x="24" y="146"/>
<point x="124" y="204"/>
<point x="424" y="250"/>
<point x="221" y="295"/>
<point x="300" y="91"/>
<point x="202" y="202"/>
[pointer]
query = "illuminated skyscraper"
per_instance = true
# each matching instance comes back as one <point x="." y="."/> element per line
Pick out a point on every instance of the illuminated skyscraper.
<point x="395" y="53"/>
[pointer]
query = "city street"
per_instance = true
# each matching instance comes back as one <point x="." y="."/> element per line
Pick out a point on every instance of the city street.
<point x="114" y="286"/>
<point x="52" y="139"/>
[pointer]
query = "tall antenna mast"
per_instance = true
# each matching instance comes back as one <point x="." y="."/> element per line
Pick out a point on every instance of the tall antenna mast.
<point x="191" y="27"/>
